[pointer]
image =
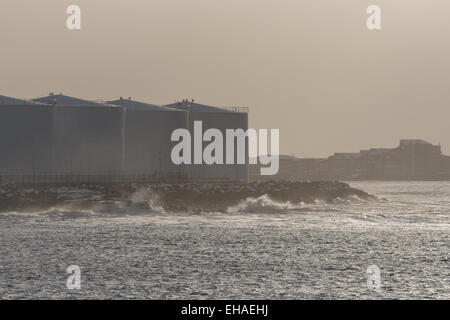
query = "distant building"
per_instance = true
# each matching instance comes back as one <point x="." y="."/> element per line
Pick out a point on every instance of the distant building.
<point x="413" y="159"/>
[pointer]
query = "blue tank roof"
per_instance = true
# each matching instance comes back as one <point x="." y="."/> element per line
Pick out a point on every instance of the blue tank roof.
<point x="4" y="100"/>
<point x="139" y="106"/>
<point x="196" y="107"/>
<point x="66" y="101"/>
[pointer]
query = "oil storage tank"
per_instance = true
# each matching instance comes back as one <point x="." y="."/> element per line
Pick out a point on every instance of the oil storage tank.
<point x="147" y="139"/>
<point x="87" y="136"/>
<point x="220" y="118"/>
<point x="25" y="137"/>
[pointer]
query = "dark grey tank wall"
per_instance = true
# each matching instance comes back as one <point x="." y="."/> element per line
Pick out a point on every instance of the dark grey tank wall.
<point x="25" y="139"/>
<point x="148" y="143"/>
<point x="87" y="140"/>
<point x="221" y="121"/>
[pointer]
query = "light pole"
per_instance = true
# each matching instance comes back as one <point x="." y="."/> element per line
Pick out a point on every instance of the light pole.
<point x="160" y="164"/>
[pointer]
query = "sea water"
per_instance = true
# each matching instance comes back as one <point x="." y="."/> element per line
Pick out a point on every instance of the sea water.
<point x="259" y="249"/>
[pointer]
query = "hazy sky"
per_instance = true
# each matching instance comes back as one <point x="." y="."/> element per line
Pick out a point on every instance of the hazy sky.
<point x="308" y="67"/>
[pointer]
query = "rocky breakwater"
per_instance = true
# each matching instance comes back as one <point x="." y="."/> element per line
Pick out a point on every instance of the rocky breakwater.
<point x="186" y="197"/>
<point x="14" y="198"/>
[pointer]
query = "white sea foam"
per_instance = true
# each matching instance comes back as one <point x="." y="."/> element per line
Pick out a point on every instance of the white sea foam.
<point x="263" y="204"/>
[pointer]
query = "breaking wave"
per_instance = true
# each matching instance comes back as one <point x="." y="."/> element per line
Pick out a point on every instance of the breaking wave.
<point x="264" y="204"/>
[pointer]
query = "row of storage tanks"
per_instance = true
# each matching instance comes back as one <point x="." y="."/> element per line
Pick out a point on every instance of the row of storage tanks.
<point x="62" y="135"/>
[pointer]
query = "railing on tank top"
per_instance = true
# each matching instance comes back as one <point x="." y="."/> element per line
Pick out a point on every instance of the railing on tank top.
<point x="237" y="109"/>
<point x="163" y="176"/>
